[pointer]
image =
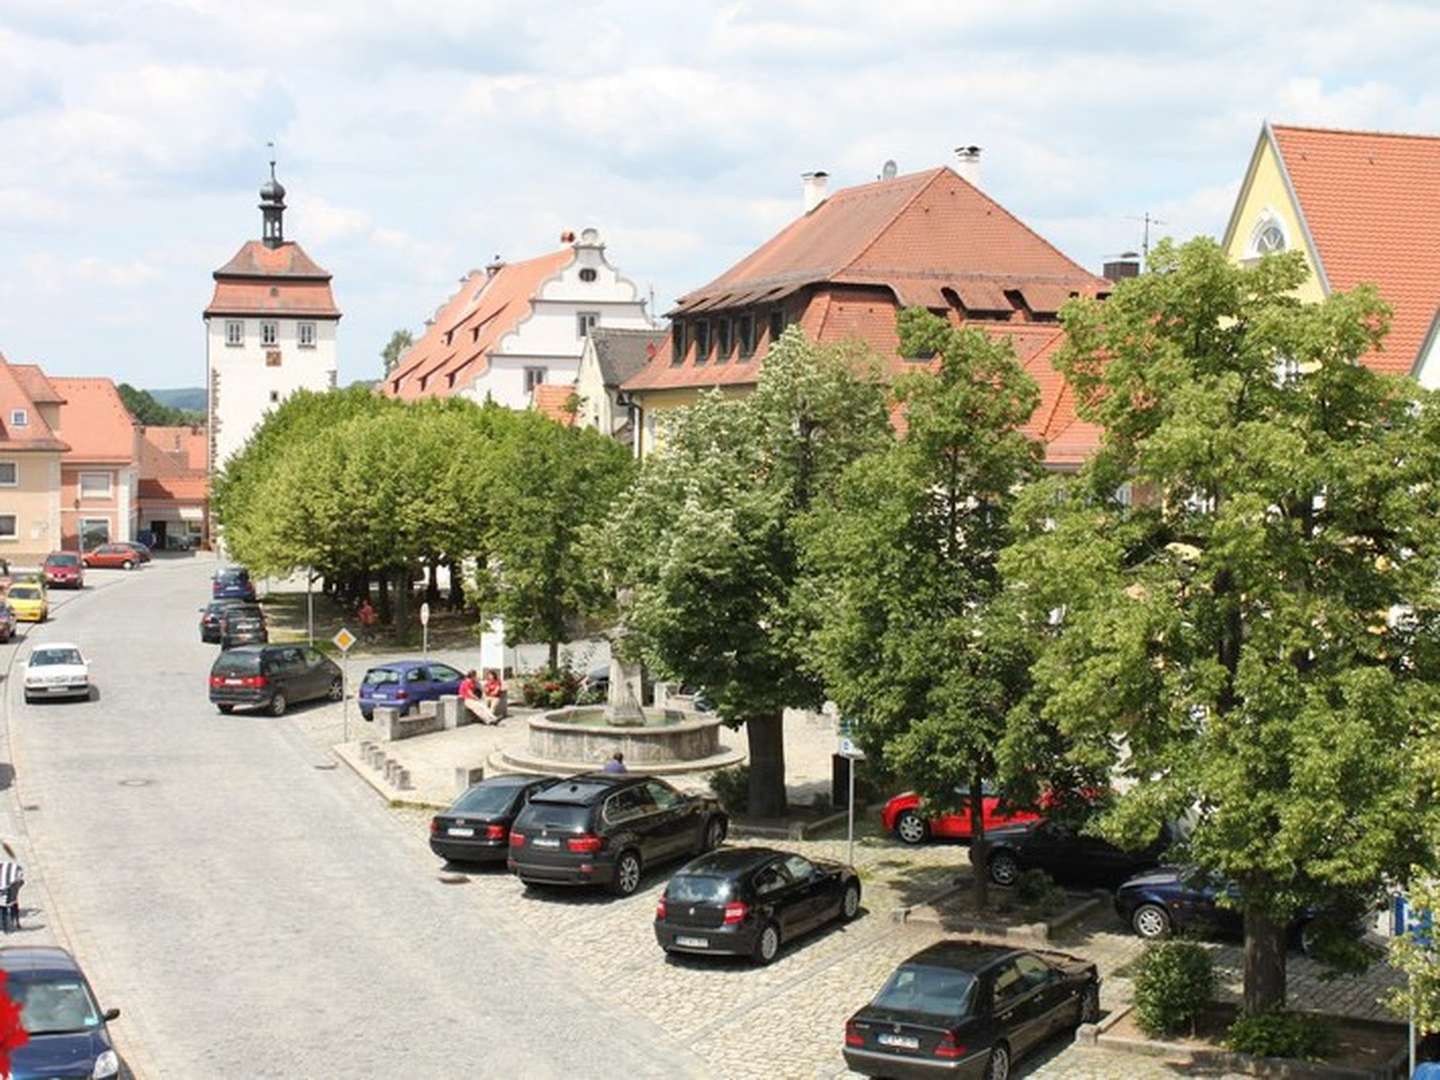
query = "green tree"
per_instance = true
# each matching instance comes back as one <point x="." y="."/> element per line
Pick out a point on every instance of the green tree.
<point x="706" y="543"/>
<point x="146" y="410"/>
<point x="911" y="638"/>
<point x="1418" y="958"/>
<point x="390" y="355"/>
<point x="1251" y="637"/>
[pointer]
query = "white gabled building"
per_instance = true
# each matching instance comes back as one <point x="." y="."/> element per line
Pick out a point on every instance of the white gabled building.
<point x="270" y="330"/>
<point x="515" y="326"/>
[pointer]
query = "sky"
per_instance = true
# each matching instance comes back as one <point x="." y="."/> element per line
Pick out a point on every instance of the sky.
<point x="419" y="140"/>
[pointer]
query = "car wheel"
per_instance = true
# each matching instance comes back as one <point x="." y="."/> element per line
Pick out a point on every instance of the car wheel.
<point x="714" y="835"/>
<point x="337" y="689"/>
<point x="128" y="564"/>
<point x="911" y="828"/>
<point x="1004" y="868"/>
<point x="627" y="874"/>
<point x="767" y="945"/>
<point x="277" y="705"/>
<point x="1090" y="1004"/>
<point x="1151" y="922"/>
<point x="850" y="906"/>
<point x="998" y="1067"/>
<point x="226" y="709"/>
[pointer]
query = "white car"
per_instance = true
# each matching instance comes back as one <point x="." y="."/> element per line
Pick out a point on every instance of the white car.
<point x="56" y="670"/>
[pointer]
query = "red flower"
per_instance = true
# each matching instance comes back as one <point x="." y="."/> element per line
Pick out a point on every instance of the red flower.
<point x="12" y="1033"/>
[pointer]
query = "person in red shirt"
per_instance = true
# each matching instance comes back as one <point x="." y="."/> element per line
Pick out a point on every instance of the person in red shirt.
<point x="494" y="694"/>
<point x="470" y="698"/>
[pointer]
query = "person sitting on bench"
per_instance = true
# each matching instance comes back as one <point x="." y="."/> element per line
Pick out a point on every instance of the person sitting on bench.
<point x="470" y="698"/>
<point x="496" y="699"/>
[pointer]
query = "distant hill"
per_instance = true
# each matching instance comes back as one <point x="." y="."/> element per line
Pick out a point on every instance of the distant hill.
<point x="186" y="398"/>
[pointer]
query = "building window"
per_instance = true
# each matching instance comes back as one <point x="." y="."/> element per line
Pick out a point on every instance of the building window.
<point x="777" y="325"/>
<point x="722" y="339"/>
<point x="702" y="341"/>
<point x="274" y="397"/>
<point x="677" y="342"/>
<point x="95" y="485"/>
<point x="587" y="273"/>
<point x="9" y="474"/>
<point x="585" y="321"/>
<point x="307" y="335"/>
<point x="19" y="418"/>
<point x="534" y="376"/>
<point x="745" y="332"/>
<point x="234" y="332"/>
<point x="269" y="332"/>
<point x="9" y="527"/>
<point x="94" y="532"/>
<point x="1268" y="237"/>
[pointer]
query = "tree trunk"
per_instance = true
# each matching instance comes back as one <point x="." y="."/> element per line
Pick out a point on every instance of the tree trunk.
<point x="432" y="585"/>
<point x="385" y="611"/>
<point x="554" y="655"/>
<point x="978" y="842"/>
<point x="402" y="598"/>
<point x="1264" y="962"/>
<point x="457" y="585"/>
<point x="766" y="735"/>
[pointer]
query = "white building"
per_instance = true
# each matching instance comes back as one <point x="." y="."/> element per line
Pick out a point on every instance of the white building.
<point x="515" y="326"/>
<point x="269" y="330"/>
<point x="611" y="356"/>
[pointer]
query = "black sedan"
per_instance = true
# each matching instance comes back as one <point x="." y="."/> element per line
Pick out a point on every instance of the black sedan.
<point x="969" y="1009"/>
<point x="210" y="618"/>
<point x="748" y="901"/>
<point x="243" y="625"/>
<point x="272" y="677"/>
<point x="476" y="827"/>
<point x="1066" y="855"/>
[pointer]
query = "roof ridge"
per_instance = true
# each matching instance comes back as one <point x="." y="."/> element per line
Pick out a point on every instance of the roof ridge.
<point x="884" y="228"/>
<point x="1365" y="132"/>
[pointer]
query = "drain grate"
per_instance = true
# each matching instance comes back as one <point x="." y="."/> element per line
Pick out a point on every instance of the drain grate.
<point x="136" y="781"/>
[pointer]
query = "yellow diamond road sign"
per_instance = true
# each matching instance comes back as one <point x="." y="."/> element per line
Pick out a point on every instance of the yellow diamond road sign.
<point x="343" y="640"/>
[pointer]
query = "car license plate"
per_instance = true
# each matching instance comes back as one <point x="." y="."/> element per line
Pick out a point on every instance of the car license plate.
<point x="233" y="682"/>
<point x="903" y="1042"/>
<point x="462" y="832"/>
<point x="692" y="943"/>
<point x="547" y="841"/>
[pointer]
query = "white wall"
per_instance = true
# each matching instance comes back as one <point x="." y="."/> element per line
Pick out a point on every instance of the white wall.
<point x="596" y="408"/>
<point x="248" y="388"/>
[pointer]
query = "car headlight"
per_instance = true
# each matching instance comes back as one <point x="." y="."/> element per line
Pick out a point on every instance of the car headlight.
<point x="107" y="1064"/>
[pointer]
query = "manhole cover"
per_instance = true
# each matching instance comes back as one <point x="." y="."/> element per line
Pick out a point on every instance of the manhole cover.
<point x="452" y="879"/>
<point x="136" y="782"/>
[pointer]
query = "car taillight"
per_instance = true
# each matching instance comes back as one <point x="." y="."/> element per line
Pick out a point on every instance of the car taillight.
<point x="494" y="832"/>
<point x="401" y="695"/>
<point x="660" y="909"/>
<point x="216" y="680"/>
<point x="517" y="839"/>
<point x="584" y="845"/>
<point x="735" y="913"/>
<point x="434" y="824"/>
<point x="948" y="1046"/>
<point x="254" y="682"/>
<point x="852" y="1034"/>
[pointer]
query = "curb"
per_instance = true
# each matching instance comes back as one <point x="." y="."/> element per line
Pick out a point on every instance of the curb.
<point x="1038" y="932"/>
<point x="796" y="830"/>
<point x="395" y="802"/>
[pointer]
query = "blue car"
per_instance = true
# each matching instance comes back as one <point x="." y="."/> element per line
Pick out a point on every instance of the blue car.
<point x="232" y="583"/>
<point x="68" y="1037"/>
<point x="403" y="684"/>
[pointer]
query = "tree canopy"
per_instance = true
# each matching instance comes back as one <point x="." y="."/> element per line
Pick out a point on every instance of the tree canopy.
<point x="390" y="355"/>
<point x="141" y="404"/>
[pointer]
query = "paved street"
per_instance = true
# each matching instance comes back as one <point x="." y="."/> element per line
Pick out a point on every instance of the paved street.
<point x="255" y="911"/>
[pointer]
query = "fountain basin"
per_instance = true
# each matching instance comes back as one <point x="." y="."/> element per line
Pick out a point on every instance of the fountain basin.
<point x="578" y="739"/>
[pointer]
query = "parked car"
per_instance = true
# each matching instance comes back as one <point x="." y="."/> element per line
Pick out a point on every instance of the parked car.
<point x="272" y="677"/>
<point x="177" y="543"/>
<point x="63" y="568"/>
<point x="210" y="618"/>
<point x="113" y="557"/>
<point x="142" y="551"/>
<point x="232" y="582"/>
<point x="58" y="1010"/>
<point x="904" y="816"/>
<point x="403" y="684"/>
<point x="969" y="1009"/>
<point x="7" y="621"/>
<point x="750" y="901"/>
<point x="605" y="828"/>
<point x="243" y="624"/>
<point x="56" y="669"/>
<point x="1067" y="855"/>
<point x="29" y="602"/>
<point x="476" y="827"/>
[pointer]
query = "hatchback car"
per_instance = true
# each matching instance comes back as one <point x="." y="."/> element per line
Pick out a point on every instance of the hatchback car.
<point x="232" y="582"/>
<point x="1068" y="856"/>
<point x="58" y="1010"/>
<point x="750" y="901"/>
<point x="904" y="816"/>
<point x="969" y="1009"/>
<point x="605" y="828"/>
<point x="210" y="618"/>
<point x="27" y="599"/>
<point x="404" y="684"/>
<point x="476" y="827"/>
<point x="56" y="670"/>
<point x="7" y="621"/>
<point x="142" y="551"/>
<point x="113" y="557"/>
<point x="63" y="569"/>
<point x="272" y="677"/>
<point x="243" y="624"/>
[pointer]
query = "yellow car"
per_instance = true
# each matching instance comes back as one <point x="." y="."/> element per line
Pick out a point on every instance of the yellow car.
<point x="28" y="601"/>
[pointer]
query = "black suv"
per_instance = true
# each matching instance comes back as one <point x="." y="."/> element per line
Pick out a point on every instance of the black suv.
<point x="272" y="677"/>
<point x="210" y="617"/>
<point x="605" y="828"/>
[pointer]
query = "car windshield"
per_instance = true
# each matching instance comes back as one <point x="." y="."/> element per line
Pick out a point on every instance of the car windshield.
<point x="63" y="560"/>
<point x="24" y="592"/>
<point x="47" y="657"/>
<point x="930" y="991"/>
<point x="486" y="799"/>
<point x="53" y="1005"/>
<point x="698" y="889"/>
<point x="379" y="676"/>
<point x="237" y="663"/>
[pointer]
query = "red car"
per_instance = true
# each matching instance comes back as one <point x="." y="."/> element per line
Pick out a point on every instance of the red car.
<point x="903" y="816"/>
<point x="112" y="555"/>
<point x="63" y="568"/>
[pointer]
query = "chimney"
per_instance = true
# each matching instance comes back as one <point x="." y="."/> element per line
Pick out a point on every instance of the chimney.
<point x="813" y="187"/>
<point x="1125" y="265"/>
<point x="967" y="164"/>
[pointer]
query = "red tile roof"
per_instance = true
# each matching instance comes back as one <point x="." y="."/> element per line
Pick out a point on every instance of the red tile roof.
<point x="186" y="489"/>
<point x="1371" y="201"/>
<point x="455" y="347"/>
<point x="37" y="384"/>
<point x="95" y="422"/>
<point x="172" y="464"/>
<point x="35" y="433"/>
<point x="555" y="400"/>
<point x="273" y="281"/>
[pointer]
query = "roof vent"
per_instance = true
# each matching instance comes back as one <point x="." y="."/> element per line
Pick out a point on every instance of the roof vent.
<point x="888" y="170"/>
<point x="967" y="164"/>
<point x="813" y="188"/>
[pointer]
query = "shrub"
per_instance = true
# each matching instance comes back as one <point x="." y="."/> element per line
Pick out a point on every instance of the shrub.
<point x="1033" y="887"/>
<point x="549" y="688"/>
<point x="1173" y="983"/>
<point x="732" y="788"/>
<point x="1279" y="1034"/>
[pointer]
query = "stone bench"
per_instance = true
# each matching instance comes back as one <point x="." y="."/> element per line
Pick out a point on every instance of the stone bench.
<point x="390" y="726"/>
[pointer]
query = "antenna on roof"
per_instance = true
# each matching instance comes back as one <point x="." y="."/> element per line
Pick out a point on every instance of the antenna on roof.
<point x="888" y="170"/>
<point x="1145" y="241"/>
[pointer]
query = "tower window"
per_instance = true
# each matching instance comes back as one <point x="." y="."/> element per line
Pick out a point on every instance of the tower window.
<point x="585" y="321"/>
<point x="307" y="335"/>
<point x="269" y="332"/>
<point x="234" y="332"/>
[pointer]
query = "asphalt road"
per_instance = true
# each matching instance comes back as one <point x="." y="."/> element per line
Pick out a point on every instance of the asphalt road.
<point x="253" y="910"/>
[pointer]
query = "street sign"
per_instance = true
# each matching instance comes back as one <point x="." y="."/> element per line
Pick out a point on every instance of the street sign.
<point x="343" y="640"/>
<point x="425" y="613"/>
<point x="850" y="749"/>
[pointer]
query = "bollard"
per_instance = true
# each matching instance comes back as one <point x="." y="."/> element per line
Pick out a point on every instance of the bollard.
<point x="402" y="779"/>
<point x="465" y="778"/>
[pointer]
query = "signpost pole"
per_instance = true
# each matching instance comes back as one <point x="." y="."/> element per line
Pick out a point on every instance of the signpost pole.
<point x="343" y="639"/>
<point x="310" y="605"/>
<point x="425" y="629"/>
<point x="850" y="841"/>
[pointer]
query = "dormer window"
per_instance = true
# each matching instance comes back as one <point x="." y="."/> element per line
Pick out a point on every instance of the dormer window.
<point x="677" y="343"/>
<point x="702" y="341"/>
<point x="722" y="339"/>
<point x="745" y="334"/>
<point x="19" y="418"/>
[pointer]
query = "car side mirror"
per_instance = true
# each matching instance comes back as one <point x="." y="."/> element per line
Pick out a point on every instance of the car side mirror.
<point x="111" y="1014"/>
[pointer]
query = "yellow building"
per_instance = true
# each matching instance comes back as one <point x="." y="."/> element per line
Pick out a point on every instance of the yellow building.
<point x="1363" y="207"/>
<point x="30" y="483"/>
